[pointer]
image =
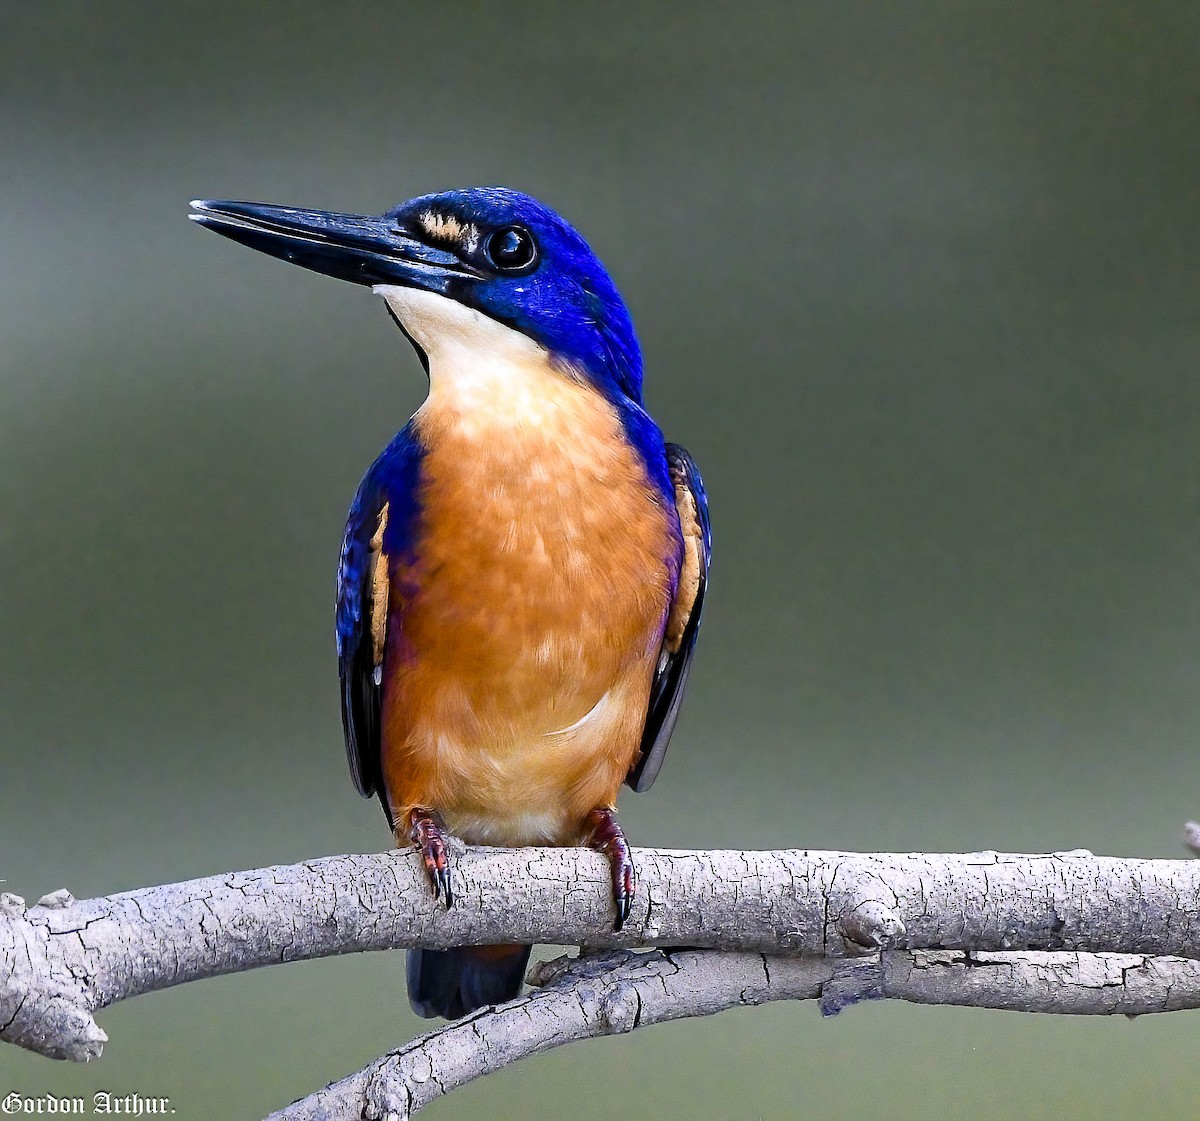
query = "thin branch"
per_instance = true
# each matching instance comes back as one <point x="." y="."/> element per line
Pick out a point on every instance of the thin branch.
<point x="618" y="991"/>
<point x="64" y="959"/>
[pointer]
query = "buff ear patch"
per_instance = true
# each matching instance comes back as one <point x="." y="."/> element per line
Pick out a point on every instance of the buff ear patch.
<point x="690" y="573"/>
<point x="379" y="589"/>
<point x="445" y="227"/>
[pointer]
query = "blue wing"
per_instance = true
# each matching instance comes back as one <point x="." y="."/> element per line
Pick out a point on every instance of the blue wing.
<point x="378" y="529"/>
<point x="666" y="693"/>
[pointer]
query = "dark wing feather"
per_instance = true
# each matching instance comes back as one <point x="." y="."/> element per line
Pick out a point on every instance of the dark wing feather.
<point x="386" y="498"/>
<point x="675" y="661"/>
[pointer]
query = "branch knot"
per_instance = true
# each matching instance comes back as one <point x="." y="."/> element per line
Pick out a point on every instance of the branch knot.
<point x="42" y="1006"/>
<point x="871" y="926"/>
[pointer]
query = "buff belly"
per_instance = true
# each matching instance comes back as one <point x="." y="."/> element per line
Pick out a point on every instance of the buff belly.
<point x="524" y="635"/>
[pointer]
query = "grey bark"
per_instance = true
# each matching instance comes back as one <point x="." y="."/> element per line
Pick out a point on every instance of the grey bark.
<point x="63" y="959"/>
<point x="619" y="991"/>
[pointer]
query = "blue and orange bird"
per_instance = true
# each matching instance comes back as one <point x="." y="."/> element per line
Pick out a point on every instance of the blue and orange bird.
<point x="523" y="567"/>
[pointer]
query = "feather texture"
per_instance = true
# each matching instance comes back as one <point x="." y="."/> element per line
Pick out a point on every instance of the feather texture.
<point x="378" y="526"/>
<point x="683" y="623"/>
<point x="543" y="564"/>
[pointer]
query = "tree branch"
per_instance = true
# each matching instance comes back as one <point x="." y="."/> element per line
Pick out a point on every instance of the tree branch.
<point x="617" y="991"/>
<point x="63" y="959"/>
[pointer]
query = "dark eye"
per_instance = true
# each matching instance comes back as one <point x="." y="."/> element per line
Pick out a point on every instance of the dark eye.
<point x="512" y="248"/>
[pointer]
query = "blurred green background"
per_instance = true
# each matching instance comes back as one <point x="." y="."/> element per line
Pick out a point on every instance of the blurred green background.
<point x="916" y="283"/>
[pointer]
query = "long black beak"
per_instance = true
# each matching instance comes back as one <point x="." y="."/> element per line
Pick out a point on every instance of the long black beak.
<point x="354" y="247"/>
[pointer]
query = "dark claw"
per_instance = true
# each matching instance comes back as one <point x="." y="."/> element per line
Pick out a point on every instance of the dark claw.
<point x="625" y="893"/>
<point x="442" y="887"/>
<point x="427" y="831"/>
<point x="605" y="835"/>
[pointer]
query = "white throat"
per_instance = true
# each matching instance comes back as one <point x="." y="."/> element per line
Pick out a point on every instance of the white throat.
<point x="472" y="358"/>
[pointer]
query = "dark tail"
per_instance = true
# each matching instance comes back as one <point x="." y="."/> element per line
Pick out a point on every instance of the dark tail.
<point x="452" y="983"/>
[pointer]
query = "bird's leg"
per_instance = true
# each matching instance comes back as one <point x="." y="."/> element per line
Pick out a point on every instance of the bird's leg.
<point x="605" y="835"/>
<point x="427" y="831"/>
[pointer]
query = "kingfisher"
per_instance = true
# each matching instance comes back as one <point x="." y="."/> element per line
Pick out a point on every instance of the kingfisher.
<point x="523" y="567"/>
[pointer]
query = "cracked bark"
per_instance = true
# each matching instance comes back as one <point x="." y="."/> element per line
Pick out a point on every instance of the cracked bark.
<point x="618" y="991"/>
<point x="64" y="959"/>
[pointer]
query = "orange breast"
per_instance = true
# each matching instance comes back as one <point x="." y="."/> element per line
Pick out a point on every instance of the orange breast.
<point x="518" y="670"/>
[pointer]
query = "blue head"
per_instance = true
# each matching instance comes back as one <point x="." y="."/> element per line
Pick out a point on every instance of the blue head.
<point x="492" y="249"/>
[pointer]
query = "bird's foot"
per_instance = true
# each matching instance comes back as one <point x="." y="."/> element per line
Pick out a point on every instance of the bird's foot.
<point x="427" y="831"/>
<point x="606" y="836"/>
